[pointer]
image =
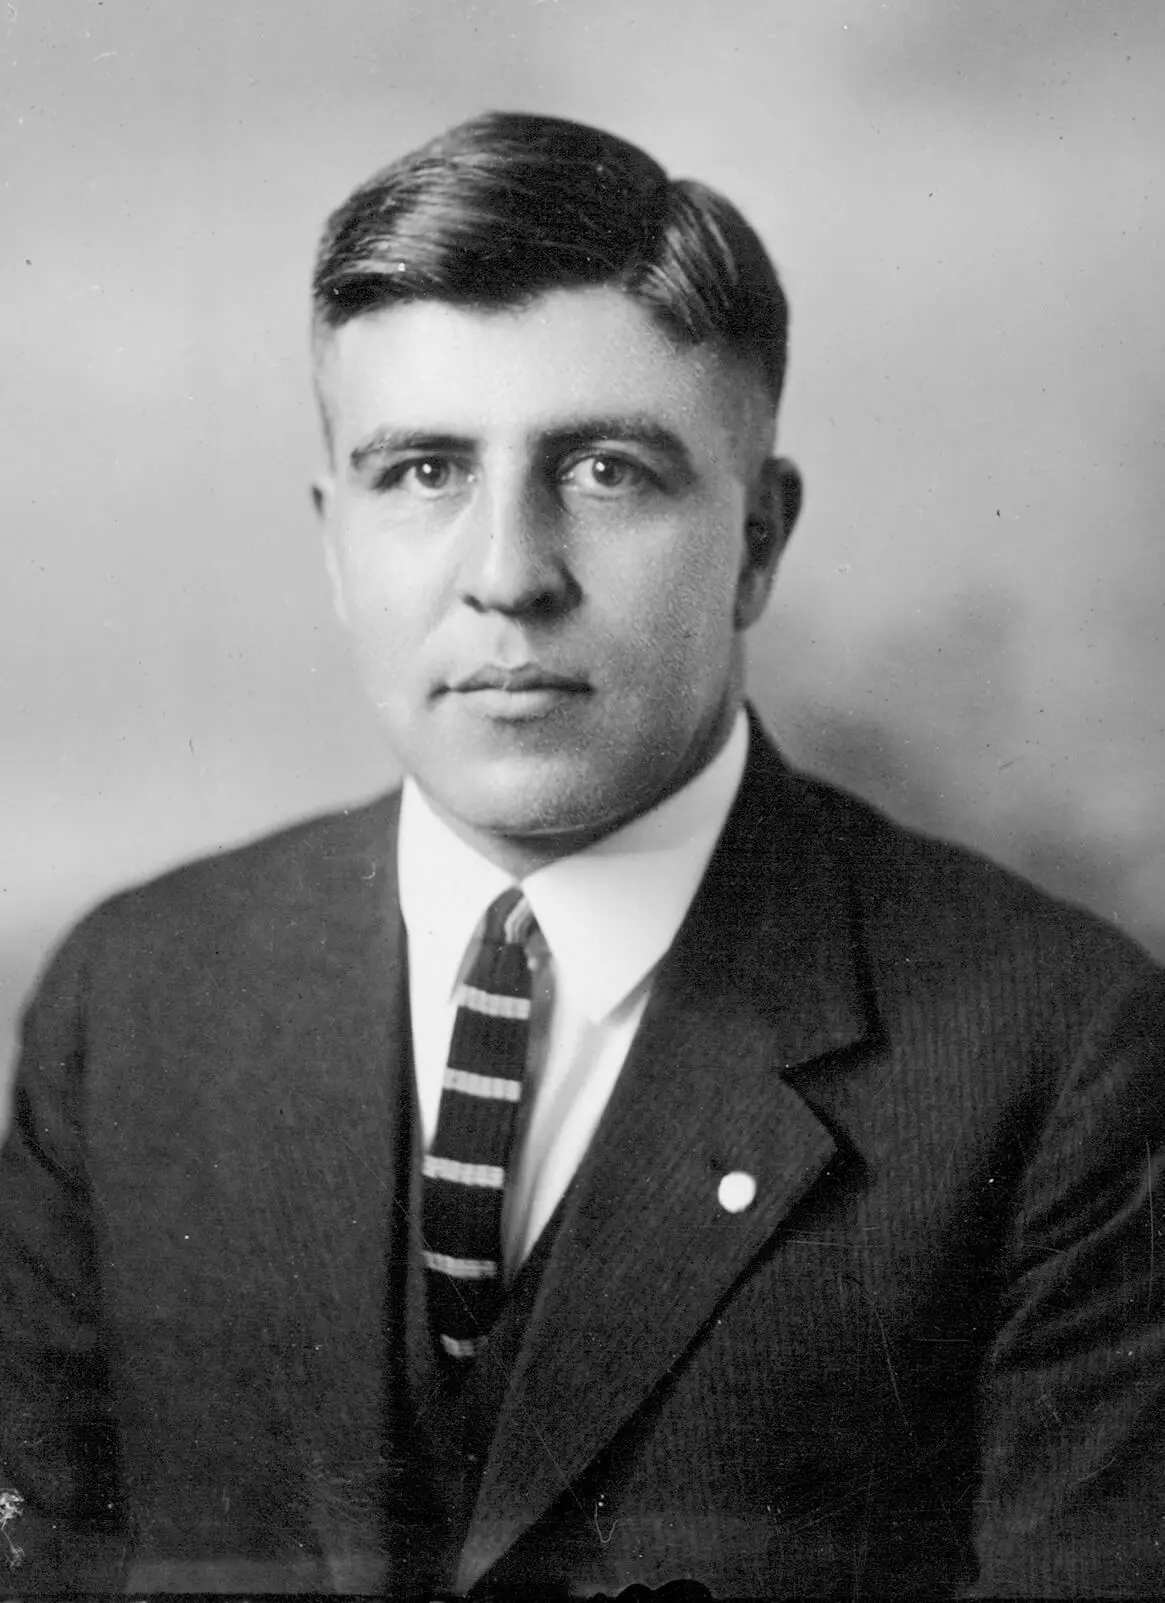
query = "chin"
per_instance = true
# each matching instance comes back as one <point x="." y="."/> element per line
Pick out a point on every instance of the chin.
<point x="524" y="801"/>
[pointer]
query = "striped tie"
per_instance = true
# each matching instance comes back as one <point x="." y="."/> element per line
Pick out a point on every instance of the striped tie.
<point x="465" y="1168"/>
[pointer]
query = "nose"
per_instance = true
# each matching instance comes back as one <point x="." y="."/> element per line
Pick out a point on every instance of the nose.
<point x="512" y="559"/>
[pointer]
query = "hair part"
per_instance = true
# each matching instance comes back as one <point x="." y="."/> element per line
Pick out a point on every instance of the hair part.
<point x="509" y="206"/>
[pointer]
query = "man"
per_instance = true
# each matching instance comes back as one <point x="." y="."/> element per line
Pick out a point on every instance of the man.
<point x="617" y="1159"/>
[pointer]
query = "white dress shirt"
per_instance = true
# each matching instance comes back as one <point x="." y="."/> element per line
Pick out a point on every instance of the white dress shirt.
<point x="606" y="916"/>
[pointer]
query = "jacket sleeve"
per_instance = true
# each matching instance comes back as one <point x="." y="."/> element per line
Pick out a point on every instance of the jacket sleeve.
<point x="1072" y="1500"/>
<point x="58" y="1461"/>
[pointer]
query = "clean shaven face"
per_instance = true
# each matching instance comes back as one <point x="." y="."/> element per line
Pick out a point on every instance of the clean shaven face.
<point x="546" y="529"/>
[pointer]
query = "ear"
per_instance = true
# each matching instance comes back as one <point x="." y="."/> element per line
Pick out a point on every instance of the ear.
<point x="773" y="506"/>
<point x="323" y="490"/>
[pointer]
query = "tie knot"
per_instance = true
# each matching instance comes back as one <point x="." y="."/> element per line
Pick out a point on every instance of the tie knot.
<point x="509" y="920"/>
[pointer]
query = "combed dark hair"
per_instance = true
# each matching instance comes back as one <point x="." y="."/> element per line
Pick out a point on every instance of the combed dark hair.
<point x="508" y="206"/>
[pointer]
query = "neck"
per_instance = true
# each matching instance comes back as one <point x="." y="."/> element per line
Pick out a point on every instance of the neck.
<point x="521" y="855"/>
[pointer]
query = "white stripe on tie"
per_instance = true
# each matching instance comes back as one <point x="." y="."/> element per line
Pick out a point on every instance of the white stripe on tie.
<point x="483" y="1085"/>
<point x="494" y="1007"/>
<point x="518" y="922"/>
<point x="461" y="1268"/>
<point x="457" y="1348"/>
<point x="464" y="1174"/>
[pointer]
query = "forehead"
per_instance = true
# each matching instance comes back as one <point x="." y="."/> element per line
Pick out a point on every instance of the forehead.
<point x="538" y="368"/>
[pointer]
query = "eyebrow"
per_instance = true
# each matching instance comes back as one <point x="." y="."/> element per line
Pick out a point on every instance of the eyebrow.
<point x="390" y="442"/>
<point x="635" y="428"/>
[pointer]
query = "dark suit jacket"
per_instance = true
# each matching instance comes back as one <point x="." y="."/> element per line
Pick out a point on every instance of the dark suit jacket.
<point x="928" y="1357"/>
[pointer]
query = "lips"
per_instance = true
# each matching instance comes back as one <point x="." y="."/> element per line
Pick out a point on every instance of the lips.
<point x="521" y="698"/>
<point x="518" y="681"/>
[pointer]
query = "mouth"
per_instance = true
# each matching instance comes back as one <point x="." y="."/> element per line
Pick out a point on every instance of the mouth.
<point x="530" y="676"/>
<point x="515" y="694"/>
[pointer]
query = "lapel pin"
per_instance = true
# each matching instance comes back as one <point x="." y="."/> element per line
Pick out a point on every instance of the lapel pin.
<point x="736" y="1191"/>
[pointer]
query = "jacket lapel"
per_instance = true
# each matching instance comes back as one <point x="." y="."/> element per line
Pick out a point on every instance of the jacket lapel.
<point x="761" y="979"/>
<point x="333" y="1004"/>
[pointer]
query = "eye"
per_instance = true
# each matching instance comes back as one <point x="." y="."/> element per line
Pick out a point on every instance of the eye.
<point x="604" y="473"/>
<point x="431" y="473"/>
<point x="424" y="475"/>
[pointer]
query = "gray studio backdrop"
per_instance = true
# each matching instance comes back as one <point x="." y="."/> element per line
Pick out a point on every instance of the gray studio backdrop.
<point x="965" y="200"/>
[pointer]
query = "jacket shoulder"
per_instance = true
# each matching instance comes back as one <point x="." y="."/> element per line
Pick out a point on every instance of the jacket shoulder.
<point x="257" y="895"/>
<point x="931" y="900"/>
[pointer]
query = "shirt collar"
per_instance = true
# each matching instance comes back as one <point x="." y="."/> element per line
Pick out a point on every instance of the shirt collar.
<point x="608" y="913"/>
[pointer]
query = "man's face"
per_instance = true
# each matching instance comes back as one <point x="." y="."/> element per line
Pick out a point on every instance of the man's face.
<point x="546" y="529"/>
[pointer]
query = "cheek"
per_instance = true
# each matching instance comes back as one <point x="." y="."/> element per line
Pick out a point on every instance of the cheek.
<point x="386" y="592"/>
<point x="679" y="608"/>
<point x="385" y="630"/>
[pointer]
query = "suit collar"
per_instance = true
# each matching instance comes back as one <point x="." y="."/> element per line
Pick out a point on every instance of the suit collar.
<point x="764" y="978"/>
<point x="778" y="912"/>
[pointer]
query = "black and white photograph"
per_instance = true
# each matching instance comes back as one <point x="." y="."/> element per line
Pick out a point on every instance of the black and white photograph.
<point x="582" y="899"/>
